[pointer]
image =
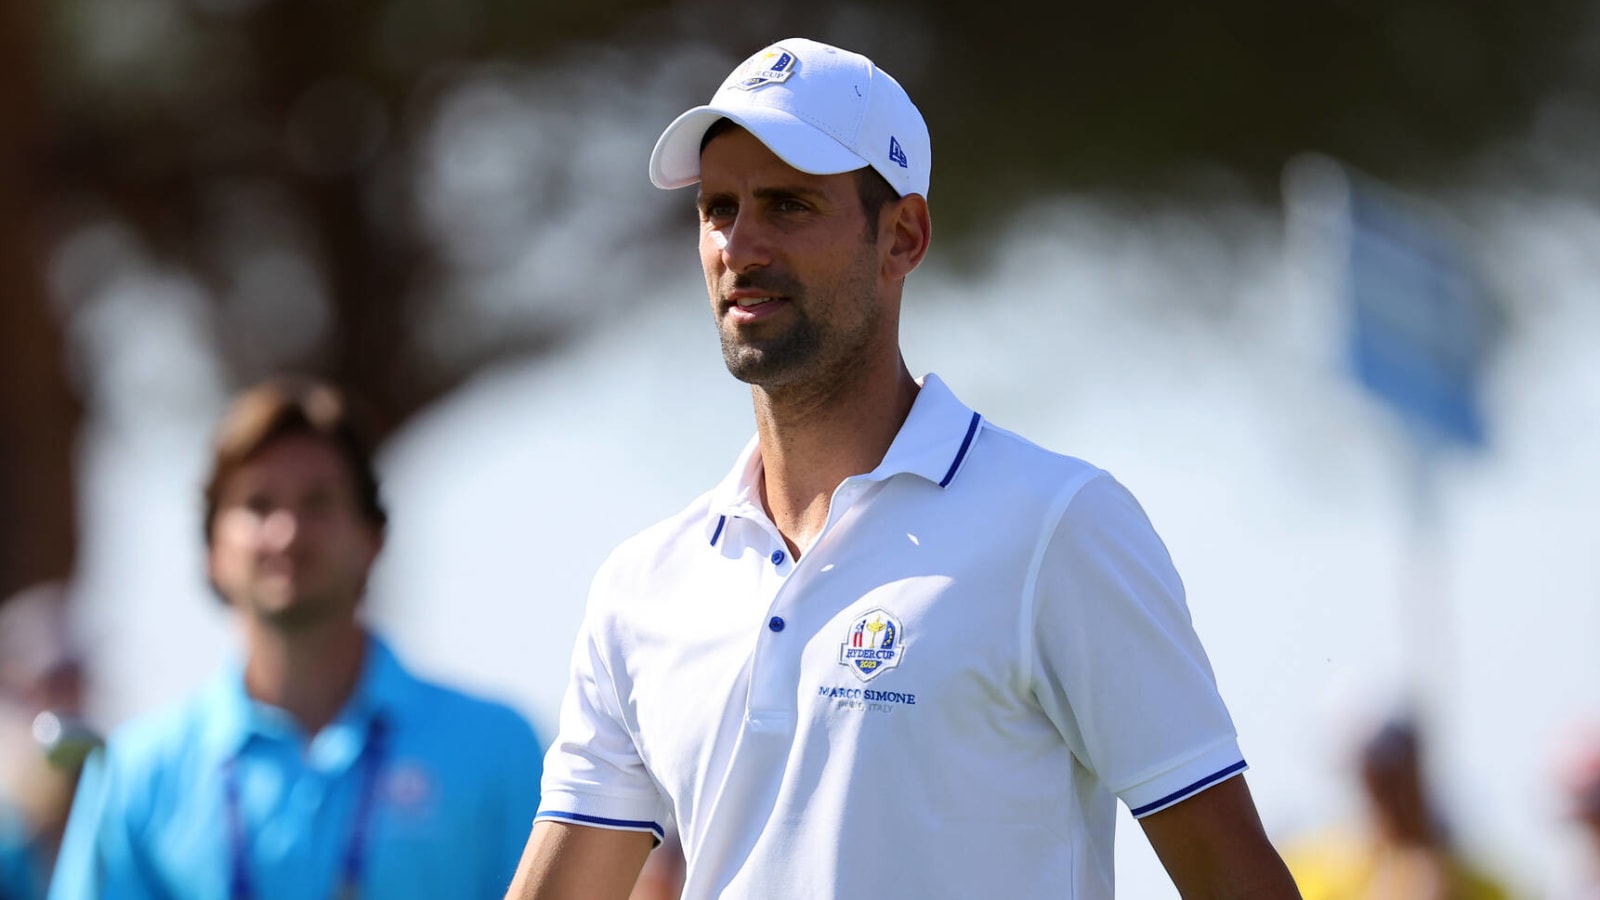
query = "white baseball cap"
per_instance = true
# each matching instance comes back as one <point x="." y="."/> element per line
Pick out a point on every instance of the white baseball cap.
<point x="821" y="109"/>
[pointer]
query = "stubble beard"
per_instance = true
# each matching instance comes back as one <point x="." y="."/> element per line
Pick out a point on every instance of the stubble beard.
<point x="802" y="351"/>
<point x="307" y="610"/>
<point x="775" y="361"/>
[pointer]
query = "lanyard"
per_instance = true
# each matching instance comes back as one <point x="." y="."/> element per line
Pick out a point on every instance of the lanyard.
<point x="351" y="866"/>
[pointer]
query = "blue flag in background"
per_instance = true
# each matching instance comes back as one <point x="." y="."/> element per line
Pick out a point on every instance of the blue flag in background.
<point x="1422" y="324"/>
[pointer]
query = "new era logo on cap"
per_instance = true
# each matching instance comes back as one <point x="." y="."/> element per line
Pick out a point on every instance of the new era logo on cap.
<point x="821" y="109"/>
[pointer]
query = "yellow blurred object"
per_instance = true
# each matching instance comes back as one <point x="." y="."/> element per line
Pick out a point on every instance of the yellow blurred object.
<point x="1346" y="867"/>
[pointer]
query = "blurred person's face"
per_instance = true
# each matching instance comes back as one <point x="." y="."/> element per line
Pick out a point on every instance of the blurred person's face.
<point x="791" y="265"/>
<point x="60" y="688"/>
<point x="289" y="544"/>
<point x="1391" y="774"/>
<point x="1585" y="799"/>
<point x="40" y="668"/>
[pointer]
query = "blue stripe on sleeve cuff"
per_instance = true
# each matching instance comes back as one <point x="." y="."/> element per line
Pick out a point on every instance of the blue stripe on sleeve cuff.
<point x="602" y="822"/>
<point x="1185" y="792"/>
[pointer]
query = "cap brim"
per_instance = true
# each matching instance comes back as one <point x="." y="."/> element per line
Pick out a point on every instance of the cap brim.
<point x="675" y="162"/>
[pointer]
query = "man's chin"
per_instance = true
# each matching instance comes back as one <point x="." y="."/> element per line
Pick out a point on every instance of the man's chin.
<point x="295" y="613"/>
<point x="762" y="368"/>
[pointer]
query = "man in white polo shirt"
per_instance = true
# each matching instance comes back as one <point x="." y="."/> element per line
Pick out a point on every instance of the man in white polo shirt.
<point x="898" y="652"/>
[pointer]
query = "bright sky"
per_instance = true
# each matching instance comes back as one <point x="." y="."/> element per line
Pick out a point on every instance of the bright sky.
<point x="1277" y="486"/>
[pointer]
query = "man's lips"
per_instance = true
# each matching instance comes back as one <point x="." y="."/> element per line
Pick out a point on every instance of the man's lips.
<point x="275" y="569"/>
<point x="747" y="304"/>
<point x="745" y="298"/>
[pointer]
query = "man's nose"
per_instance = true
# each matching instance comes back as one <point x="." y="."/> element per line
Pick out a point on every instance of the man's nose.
<point x="746" y="243"/>
<point x="280" y="528"/>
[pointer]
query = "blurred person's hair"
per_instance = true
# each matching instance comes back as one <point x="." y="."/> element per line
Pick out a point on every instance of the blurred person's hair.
<point x="1394" y="744"/>
<point x="294" y="406"/>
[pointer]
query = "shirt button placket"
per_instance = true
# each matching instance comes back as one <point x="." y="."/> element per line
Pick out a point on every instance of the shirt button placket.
<point x="772" y="697"/>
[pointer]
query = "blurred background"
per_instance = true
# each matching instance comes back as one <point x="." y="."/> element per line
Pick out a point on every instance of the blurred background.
<point x="1316" y="280"/>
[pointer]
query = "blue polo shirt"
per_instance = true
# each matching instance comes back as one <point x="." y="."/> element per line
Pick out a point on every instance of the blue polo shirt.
<point x="433" y="791"/>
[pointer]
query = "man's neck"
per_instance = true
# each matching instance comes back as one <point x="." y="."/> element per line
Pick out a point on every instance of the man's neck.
<point x="309" y="673"/>
<point x="812" y="443"/>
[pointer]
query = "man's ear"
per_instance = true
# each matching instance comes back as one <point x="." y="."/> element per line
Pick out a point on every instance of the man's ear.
<point x="908" y="229"/>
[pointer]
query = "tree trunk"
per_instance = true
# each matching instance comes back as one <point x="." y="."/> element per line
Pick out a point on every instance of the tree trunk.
<point x="39" y="410"/>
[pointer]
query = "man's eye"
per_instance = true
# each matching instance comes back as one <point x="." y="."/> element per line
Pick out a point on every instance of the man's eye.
<point x="719" y="211"/>
<point x="791" y="205"/>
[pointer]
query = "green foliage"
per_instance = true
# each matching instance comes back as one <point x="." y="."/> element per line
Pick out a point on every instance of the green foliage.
<point x="1024" y="96"/>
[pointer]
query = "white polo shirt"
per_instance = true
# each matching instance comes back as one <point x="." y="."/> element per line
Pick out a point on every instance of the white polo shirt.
<point x="985" y="646"/>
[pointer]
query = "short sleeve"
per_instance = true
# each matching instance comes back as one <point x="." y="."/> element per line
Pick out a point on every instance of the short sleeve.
<point x="593" y="774"/>
<point x="1117" y="665"/>
<point x="100" y="858"/>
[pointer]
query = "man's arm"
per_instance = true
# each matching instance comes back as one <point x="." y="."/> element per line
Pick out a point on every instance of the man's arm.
<point x="1214" y="848"/>
<point x="578" y="862"/>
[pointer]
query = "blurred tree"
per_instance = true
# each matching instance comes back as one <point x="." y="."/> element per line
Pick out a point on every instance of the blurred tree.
<point x="39" y="412"/>
<point x="1139" y="96"/>
<point x="268" y="149"/>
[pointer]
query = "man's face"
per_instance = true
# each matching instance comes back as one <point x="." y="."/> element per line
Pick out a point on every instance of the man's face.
<point x="289" y="544"/>
<point x="792" y="266"/>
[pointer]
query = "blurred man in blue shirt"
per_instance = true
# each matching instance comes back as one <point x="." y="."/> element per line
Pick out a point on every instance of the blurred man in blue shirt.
<point x="317" y="766"/>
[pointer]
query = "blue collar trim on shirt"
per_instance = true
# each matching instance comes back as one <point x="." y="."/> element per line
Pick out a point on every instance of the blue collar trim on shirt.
<point x="932" y="443"/>
<point x="966" y="444"/>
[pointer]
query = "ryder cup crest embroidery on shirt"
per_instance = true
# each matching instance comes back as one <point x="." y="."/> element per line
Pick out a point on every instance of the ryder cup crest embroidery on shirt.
<point x="773" y="65"/>
<point x="872" y="645"/>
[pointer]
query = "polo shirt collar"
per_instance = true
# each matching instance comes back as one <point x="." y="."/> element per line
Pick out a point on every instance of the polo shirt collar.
<point x="935" y="438"/>
<point x="932" y="444"/>
<point x="232" y="718"/>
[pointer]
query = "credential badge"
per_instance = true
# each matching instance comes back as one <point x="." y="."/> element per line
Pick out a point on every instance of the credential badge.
<point x="773" y="65"/>
<point x="872" y="646"/>
<point x="409" y="791"/>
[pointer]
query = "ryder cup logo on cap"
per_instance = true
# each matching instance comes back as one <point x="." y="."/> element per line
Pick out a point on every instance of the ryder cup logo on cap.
<point x="772" y="66"/>
<point x="821" y="109"/>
